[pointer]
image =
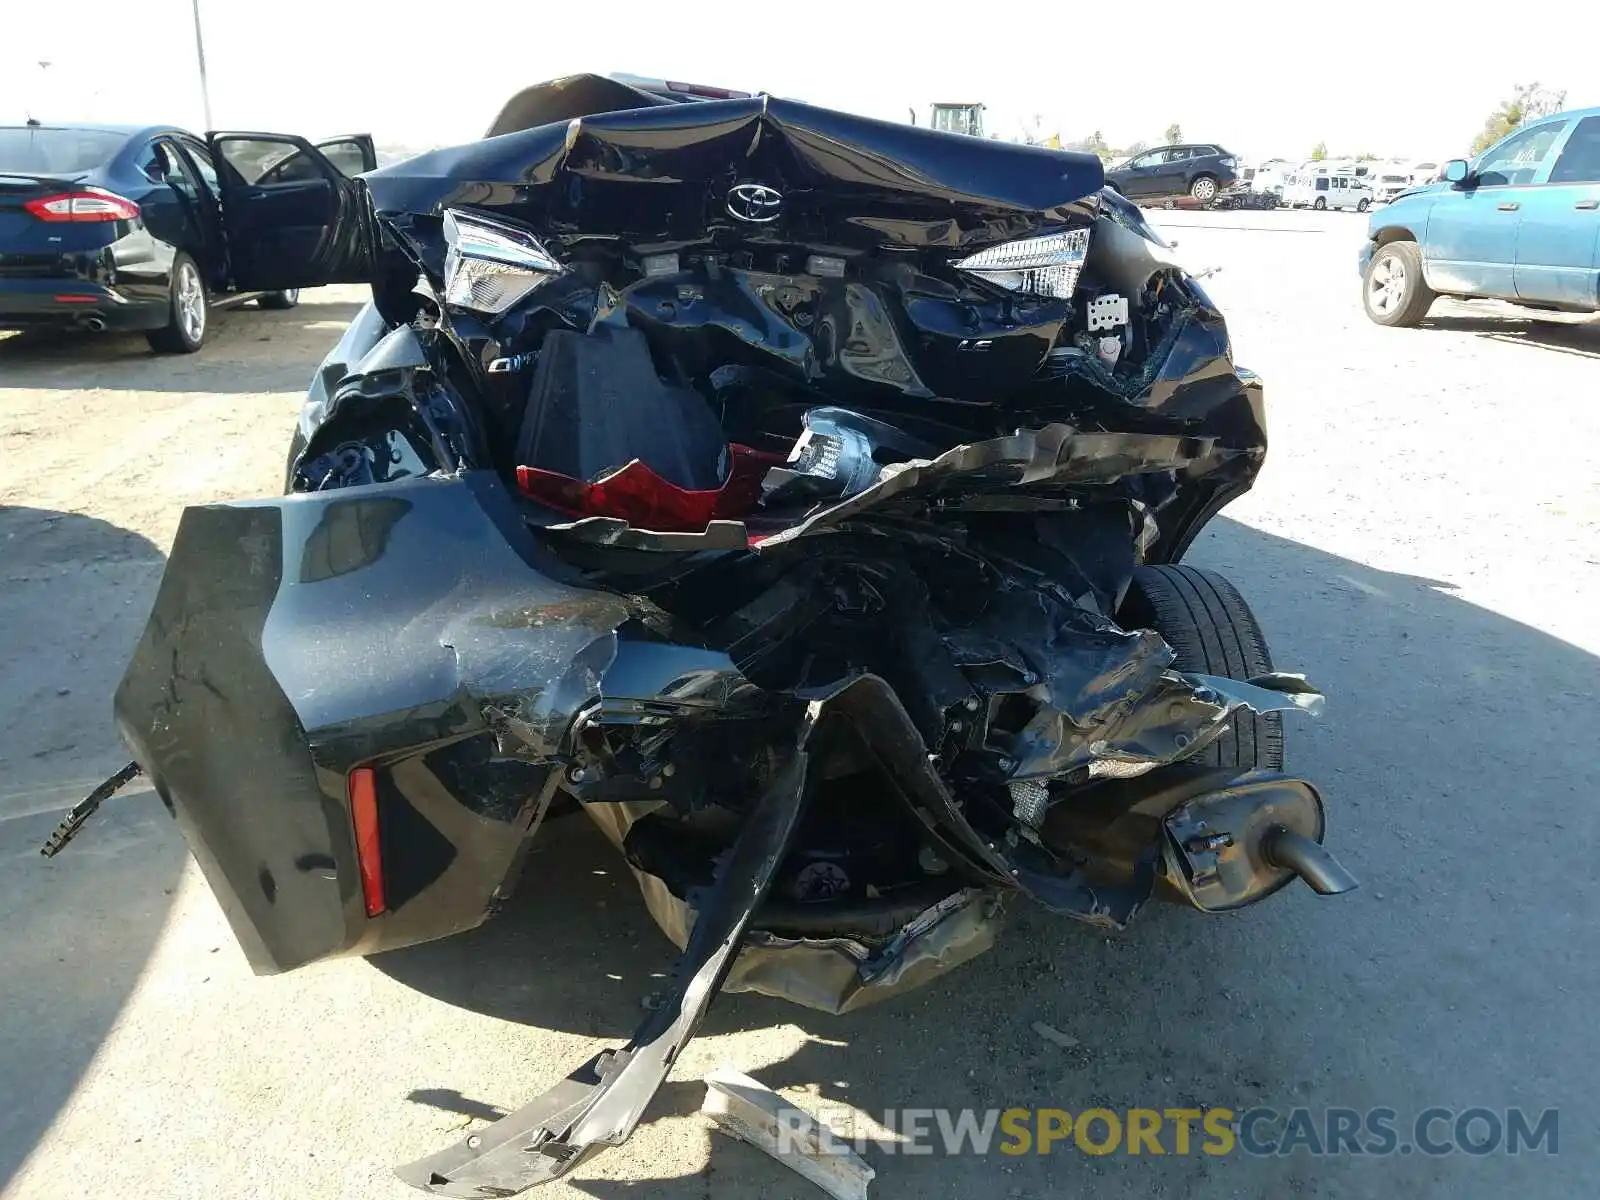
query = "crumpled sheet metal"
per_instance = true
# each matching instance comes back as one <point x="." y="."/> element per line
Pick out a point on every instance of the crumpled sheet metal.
<point x="1176" y="718"/>
<point x="833" y="975"/>
<point x="1054" y="453"/>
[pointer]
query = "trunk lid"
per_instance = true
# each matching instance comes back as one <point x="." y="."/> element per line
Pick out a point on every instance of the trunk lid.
<point x="672" y="173"/>
<point x="25" y="247"/>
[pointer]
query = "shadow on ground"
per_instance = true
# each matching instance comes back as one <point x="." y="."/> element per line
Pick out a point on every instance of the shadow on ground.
<point x="238" y="336"/>
<point x="78" y="929"/>
<point x="1457" y="760"/>
<point x="1562" y="335"/>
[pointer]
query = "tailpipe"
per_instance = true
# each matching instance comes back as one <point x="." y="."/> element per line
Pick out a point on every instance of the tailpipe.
<point x="1310" y="860"/>
<point x="94" y="324"/>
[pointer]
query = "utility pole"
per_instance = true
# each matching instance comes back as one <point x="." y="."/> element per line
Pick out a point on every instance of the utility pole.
<point x="27" y="109"/>
<point x="200" y="56"/>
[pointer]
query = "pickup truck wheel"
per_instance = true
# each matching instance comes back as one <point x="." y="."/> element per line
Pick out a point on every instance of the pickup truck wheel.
<point x="1212" y="630"/>
<point x="1363" y="205"/>
<point x="1393" y="291"/>
<point x="1321" y="205"/>
<point x="287" y="298"/>
<point x="1203" y="188"/>
<point x="189" y="311"/>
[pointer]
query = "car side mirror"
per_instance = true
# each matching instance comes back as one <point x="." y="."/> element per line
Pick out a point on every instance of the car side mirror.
<point x="1457" y="171"/>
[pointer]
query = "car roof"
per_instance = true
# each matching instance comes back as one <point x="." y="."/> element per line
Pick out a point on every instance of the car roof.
<point x="128" y="131"/>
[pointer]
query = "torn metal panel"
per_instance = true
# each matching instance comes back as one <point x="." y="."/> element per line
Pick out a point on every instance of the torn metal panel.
<point x="1054" y="454"/>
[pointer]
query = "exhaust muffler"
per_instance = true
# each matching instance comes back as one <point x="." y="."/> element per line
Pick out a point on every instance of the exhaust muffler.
<point x="94" y="324"/>
<point x="1240" y="843"/>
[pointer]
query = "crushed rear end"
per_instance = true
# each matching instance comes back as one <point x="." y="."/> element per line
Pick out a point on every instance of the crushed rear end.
<point x="824" y="556"/>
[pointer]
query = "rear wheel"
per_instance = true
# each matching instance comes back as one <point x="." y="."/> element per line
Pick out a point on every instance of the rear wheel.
<point x="1213" y="632"/>
<point x="297" y="445"/>
<point x="287" y="298"/>
<point x="1393" y="290"/>
<point x="1203" y="188"/>
<point x="189" y="311"/>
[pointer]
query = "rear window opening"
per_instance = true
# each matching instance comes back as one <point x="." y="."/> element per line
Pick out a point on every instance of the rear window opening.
<point x="33" y="150"/>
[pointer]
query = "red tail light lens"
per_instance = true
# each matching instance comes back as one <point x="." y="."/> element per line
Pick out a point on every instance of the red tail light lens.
<point x="86" y="204"/>
<point x="369" y="852"/>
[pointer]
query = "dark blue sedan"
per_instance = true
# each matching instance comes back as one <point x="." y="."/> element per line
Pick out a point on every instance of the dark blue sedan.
<point x="148" y="229"/>
<point x="1521" y="222"/>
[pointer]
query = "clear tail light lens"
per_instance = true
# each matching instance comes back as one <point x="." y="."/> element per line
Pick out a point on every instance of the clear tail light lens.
<point x="1048" y="265"/>
<point x="489" y="265"/>
<point x="84" y="205"/>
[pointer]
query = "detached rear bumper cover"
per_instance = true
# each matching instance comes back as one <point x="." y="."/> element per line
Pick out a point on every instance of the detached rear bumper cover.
<point x="402" y="627"/>
<point x="599" y="1104"/>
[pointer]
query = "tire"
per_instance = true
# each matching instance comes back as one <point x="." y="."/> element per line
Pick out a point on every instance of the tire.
<point x="1203" y="188"/>
<point x="1393" y="291"/>
<point x="1363" y="206"/>
<point x="189" y="311"/>
<point x="1320" y="205"/>
<point x="1213" y="632"/>
<point x="278" y="301"/>
<point x="297" y="445"/>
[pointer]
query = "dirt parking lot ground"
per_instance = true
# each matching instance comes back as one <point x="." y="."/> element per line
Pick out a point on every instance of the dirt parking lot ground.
<point x="1424" y="542"/>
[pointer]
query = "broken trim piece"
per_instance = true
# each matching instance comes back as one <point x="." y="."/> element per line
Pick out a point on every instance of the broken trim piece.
<point x="746" y="1109"/>
<point x="600" y="1103"/>
<point x="73" y="822"/>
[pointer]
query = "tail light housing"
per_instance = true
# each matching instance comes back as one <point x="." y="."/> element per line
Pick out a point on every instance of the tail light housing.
<point x="84" y="205"/>
<point x="489" y="265"/>
<point x="1046" y="266"/>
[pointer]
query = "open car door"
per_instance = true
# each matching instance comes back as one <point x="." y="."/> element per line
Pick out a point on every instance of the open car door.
<point x="294" y="214"/>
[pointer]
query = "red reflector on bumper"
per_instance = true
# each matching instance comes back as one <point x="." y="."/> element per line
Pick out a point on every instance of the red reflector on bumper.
<point x="75" y="299"/>
<point x="369" y="855"/>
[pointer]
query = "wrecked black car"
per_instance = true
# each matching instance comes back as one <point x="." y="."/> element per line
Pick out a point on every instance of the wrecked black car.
<point x="799" y="496"/>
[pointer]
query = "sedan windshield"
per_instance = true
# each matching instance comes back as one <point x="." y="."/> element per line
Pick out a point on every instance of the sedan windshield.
<point x="32" y="150"/>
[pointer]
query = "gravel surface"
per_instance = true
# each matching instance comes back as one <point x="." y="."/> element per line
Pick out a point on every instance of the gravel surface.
<point x="1424" y="543"/>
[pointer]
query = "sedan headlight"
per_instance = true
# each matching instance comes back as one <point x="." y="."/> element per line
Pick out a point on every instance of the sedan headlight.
<point x="490" y="265"/>
<point x="1048" y="265"/>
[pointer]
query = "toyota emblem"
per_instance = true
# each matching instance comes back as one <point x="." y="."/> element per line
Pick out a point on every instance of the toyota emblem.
<point x="754" y="202"/>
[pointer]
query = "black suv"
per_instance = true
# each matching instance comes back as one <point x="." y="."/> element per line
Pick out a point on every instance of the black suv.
<point x="1200" y="171"/>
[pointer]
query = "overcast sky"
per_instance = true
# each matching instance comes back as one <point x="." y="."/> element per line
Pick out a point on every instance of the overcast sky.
<point x="1404" y="77"/>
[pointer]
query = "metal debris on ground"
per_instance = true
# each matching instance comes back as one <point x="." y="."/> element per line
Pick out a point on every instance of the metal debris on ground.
<point x="1053" y="1035"/>
<point x="746" y="1109"/>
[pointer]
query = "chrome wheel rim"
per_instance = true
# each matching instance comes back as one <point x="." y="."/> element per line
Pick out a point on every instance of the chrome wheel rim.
<point x="191" y="302"/>
<point x="1386" y="290"/>
<point x="1204" y="189"/>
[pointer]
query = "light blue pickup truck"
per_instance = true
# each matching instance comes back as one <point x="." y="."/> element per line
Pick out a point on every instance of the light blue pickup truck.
<point x="1520" y="222"/>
